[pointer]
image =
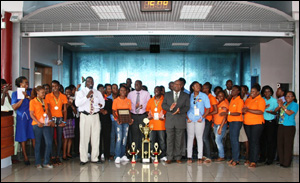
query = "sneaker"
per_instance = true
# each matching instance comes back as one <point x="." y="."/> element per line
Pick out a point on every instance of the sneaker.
<point x="125" y="159"/>
<point x="118" y="160"/>
<point x="48" y="166"/>
<point x="39" y="166"/>
<point x="163" y="159"/>
<point x="102" y="157"/>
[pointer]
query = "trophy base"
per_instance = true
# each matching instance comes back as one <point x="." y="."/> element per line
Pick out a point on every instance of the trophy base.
<point x="133" y="162"/>
<point x="155" y="162"/>
<point x="145" y="160"/>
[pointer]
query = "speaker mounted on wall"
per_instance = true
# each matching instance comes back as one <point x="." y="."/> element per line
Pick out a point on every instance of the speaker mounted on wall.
<point x="154" y="48"/>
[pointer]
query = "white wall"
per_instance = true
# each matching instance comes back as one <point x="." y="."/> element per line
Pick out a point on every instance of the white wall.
<point x="43" y="51"/>
<point x="276" y="60"/>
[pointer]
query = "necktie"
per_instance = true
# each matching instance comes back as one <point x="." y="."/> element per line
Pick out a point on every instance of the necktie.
<point x="176" y="97"/>
<point x="137" y="102"/>
<point x="92" y="105"/>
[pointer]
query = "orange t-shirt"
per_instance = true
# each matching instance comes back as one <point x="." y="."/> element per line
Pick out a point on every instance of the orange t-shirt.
<point x="119" y="103"/>
<point x="213" y="101"/>
<point x="38" y="110"/>
<point x="217" y="118"/>
<point x="258" y="103"/>
<point x="157" y="124"/>
<point x="54" y="102"/>
<point x="236" y="105"/>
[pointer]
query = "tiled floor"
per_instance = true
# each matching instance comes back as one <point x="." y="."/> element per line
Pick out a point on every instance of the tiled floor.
<point x="71" y="171"/>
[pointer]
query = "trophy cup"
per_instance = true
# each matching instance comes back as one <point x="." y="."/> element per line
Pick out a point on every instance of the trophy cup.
<point x="156" y="153"/>
<point x="133" y="153"/>
<point x="146" y="141"/>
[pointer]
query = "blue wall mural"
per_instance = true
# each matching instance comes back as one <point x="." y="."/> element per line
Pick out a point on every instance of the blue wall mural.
<point x="160" y="69"/>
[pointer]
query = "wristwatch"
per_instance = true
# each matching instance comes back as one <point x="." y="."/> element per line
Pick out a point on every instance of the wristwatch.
<point x="229" y="113"/>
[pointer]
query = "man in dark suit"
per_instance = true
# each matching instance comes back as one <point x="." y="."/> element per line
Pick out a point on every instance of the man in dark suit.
<point x="176" y="103"/>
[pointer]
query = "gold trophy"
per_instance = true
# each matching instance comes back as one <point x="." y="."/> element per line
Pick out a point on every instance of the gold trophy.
<point x="156" y="153"/>
<point x="133" y="153"/>
<point x="146" y="141"/>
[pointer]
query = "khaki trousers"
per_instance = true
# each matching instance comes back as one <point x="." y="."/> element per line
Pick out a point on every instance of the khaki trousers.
<point x="89" y="130"/>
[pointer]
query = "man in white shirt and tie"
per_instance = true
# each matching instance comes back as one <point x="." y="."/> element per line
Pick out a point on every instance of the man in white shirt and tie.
<point x="228" y="90"/>
<point x="89" y="102"/>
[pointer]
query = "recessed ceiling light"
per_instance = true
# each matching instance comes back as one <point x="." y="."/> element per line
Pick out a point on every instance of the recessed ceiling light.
<point x="194" y="12"/>
<point x="128" y="44"/>
<point x="232" y="44"/>
<point x="76" y="44"/>
<point x="180" y="44"/>
<point x="109" y="12"/>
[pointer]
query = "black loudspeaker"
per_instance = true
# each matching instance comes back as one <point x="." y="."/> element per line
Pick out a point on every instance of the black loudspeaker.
<point x="154" y="49"/>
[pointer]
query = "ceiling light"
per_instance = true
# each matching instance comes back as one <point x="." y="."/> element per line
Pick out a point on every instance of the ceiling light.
<point x="109" y="12"/>
<point x="180" y="44"/>
<point x="128" y="44"/>
<point x="76" y="44"/>
<point x="232" y="44"/>
<point x="194" y="12"/>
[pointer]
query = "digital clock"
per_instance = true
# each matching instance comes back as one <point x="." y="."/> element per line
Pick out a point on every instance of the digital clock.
<point x="156" y="6"/>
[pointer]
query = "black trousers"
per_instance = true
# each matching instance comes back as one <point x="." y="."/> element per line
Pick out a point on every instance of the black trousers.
<point x="253" y="133"/>
<point x="134" y="129"/>
<point x="268" y="141"/>
<point x="105" y="140"/>
<point x="285" y="144"/>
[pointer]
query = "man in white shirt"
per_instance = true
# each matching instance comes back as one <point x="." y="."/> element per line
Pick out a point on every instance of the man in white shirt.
<point x="89" y="102"/>
<point x="228" y="90"/>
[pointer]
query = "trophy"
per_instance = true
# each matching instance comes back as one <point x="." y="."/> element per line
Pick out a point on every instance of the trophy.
<point x="146" y="141"/>
<point x="133" y="153"/>
<point x="156" y="153"/>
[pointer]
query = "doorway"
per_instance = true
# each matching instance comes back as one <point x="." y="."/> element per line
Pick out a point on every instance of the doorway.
<point x="42" y="74"/>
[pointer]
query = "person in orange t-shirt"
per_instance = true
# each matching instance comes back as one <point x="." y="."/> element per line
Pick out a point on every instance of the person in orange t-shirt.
<point x="254" y="119"/>
<point x="220" y="125"/>
<point x="40" y="118"/>
<point x="157" y="120"/>
<point x="56" y="102"/>
<point x="235" y="121"/>
<point x="208" y="120"/>
<point x="122" y="102"/>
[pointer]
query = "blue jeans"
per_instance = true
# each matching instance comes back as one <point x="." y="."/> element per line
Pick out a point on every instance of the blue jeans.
<point x="122" y="133"/>
<point x="219" y="139"/>
<point x="47" y="132"/>
<point x="234" y="132"/>
<point x="160" y="135"/>
<point x="113" y="136"/>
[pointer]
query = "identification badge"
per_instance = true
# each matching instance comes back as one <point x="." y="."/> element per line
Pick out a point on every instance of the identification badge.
<point x="56" y="108"/>
<point x="155" y="109"/>
<point x="156" y="117"/>
<point x="196" y="111"/>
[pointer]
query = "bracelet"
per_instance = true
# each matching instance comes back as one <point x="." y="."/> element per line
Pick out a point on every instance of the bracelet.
<point x="285" y="110"/>
<point x="64" y="122"/>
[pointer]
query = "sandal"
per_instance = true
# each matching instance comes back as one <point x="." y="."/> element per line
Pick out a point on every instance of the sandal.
<point x="247" y="163"/>
<point x="252" y="165"/>
<point x="53" y="161"/>
<point x="234" y="163"/>
<point x="189" y="160"/>
<point x="230" y="161"/>
<point x="200" y="161"/>
<point x="58" y="161"/>
<point x="207" y="160"/>
<point x="69" y="156"/>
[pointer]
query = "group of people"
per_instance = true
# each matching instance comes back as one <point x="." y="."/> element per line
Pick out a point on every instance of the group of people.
<point x="177" y="118"/>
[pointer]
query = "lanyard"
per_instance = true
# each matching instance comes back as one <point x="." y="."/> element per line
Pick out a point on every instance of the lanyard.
<point x="156" y="104"/>
<point x="56" y="101"/>
<point x="42" y="102"/>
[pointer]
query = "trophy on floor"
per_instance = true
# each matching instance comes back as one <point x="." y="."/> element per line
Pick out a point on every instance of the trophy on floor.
<point x="146" y="141"/>
<point x="156" y="153"/>
<point x="133" y="152"/>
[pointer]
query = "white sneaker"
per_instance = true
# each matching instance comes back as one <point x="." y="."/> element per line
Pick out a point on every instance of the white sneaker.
<point x="163" y="159"/>
<point x="102" y="157"/>
<point x="118" y="160"/>
<point x="125" y="159"/>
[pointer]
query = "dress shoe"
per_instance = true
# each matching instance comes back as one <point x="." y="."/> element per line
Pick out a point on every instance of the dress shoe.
<point x="83" y="163"/>
<point x="179" y="161"/>
<point x="97" y="162"/>
<point x="169" y="161"/>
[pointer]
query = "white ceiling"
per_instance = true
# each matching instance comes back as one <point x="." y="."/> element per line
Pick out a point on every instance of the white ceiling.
<point x="224" y="16"/>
